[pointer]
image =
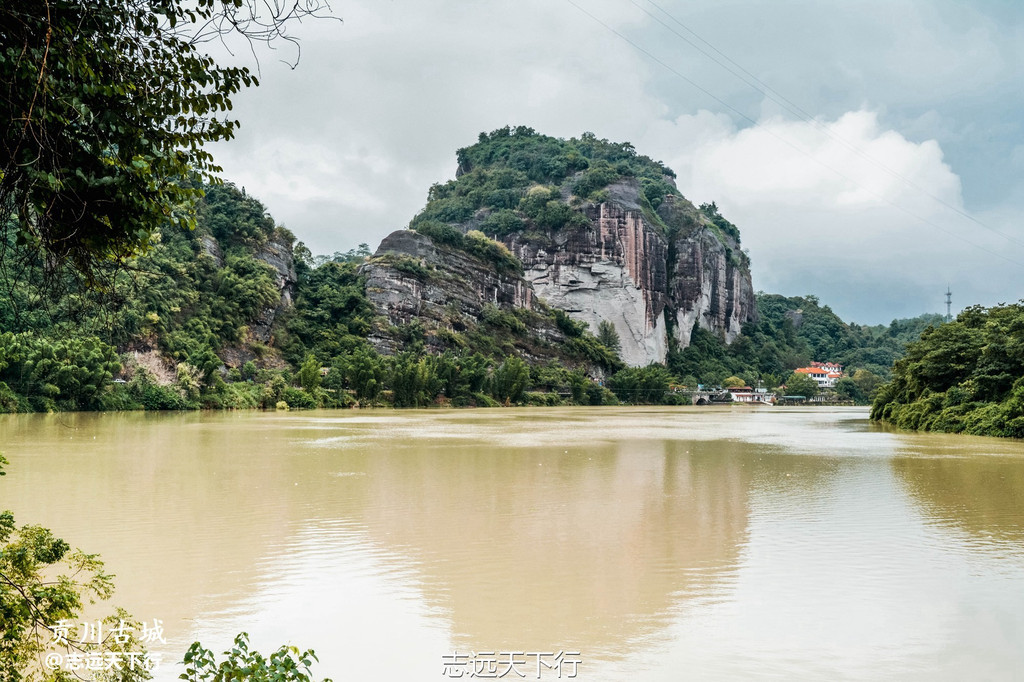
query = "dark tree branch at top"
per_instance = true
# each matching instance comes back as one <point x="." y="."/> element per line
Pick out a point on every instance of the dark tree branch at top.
<point x="105" y="110"/>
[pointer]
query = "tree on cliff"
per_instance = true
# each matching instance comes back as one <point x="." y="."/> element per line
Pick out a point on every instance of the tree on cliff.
<point x="105" y="107"/>
<point x="608" y="337"/>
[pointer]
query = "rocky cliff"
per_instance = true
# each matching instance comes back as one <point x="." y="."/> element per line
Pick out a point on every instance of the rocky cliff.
<point x="710" y="283"/>
<point x="446" y="297"/>
<point x="277" y="253"/>
<point x="613" y="268"/>
<point x="648" y="274"/>
<point x="599" y="231"/>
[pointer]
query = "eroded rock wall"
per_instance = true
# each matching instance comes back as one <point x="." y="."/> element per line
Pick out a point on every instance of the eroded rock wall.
<point x="710" y="288"/>
<point x="613" y="269"/>
<point x="648" y="274"/>
<point x="411" y="279"/>
<point x="622" y="268"/>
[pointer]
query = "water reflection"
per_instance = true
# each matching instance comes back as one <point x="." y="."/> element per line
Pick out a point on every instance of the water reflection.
<point x="725" y="543"/>
<point x="584" y="547"/>
<point x="975" y="485"/>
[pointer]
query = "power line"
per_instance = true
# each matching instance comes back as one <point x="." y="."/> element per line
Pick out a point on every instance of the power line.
<point x="755" y="124"/>
<point x="787" y="104"/>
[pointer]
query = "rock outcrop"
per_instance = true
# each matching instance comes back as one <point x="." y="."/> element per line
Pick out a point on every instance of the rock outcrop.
<point x="648" y="274"/>
<point x="710" y="284"/>
<point x="444" y="293"/>
<point x="654" y="276"/>
<point x="277" y="253"/>
<point x="613" y="269"/>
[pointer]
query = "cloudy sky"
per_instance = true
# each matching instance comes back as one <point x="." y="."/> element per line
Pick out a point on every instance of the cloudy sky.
<point x="870" y="151"/>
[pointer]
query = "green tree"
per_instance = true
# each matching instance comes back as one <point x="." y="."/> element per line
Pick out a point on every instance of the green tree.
<point x="365" y="373"/>
<point x="641" y="384"/>
<point x="510" y="381"/>
<point x="734" y="382"/>
<point x="608" y="337"/>
<point x="309" y="373"/>
<point x="104" y="114"/>
<point x="287" y="664"/>
<point x="965" y="376"/>
<point x="801" y="384"/>
<point x="867" y="383"/>
<point x="413" y="381"/>
<point x="43" y="582"/>
<point x="578" y="387"/>
<point x="847" y="389"/>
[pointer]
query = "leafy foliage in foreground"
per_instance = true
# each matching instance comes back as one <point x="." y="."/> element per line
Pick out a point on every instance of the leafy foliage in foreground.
<point x="104" y="114"/>
<point x="287" y="664"/>
<point x="963" y="377"/>
<point x="43" y="582"/>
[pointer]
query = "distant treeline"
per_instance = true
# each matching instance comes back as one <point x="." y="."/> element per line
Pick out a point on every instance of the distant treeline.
<point x="963" y="377"/>
<point x="174" y="330"/>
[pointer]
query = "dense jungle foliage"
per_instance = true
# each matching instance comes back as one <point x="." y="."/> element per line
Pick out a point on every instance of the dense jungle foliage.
<point x="963" y="377"/>
<point x="178" y="328"/>
<point x="175" y="331"/>
<point x="515" y="180"/>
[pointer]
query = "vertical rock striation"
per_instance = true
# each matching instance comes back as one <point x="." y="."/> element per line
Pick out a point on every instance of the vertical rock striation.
<point x="613" y="269"/>
<point x="645" y="273"/>
<point x="277" y="253"/>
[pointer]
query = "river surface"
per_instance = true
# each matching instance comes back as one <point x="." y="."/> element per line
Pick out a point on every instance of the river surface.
<point x="658" y="543"/>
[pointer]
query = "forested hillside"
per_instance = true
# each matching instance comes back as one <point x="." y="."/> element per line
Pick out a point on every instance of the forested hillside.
<point x="235" y="314"/>
<point x="216" y="319"/>
<point x="791" y="332"/>
<point x="963" y="377"/>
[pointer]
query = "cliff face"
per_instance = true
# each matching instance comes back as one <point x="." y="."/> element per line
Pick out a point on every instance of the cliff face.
<point x="614" y="269"/>
<point x="447" y="292"/>
<point x="710" y="282"/>
<point x="645" y="278"/>
<point x="277" y="253"/>
<point x="709" y="289"/>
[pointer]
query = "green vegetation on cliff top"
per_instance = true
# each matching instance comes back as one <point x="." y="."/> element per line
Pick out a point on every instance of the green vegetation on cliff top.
<point x="517" y="180"/>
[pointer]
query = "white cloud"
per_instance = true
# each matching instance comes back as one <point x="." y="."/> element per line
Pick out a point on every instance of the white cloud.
<point x="845" y="209"/>
<point x="850" y="162"/>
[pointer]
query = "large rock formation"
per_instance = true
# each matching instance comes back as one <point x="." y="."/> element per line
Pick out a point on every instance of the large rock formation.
<point x="647" y="274"/>
<point x="579" y="215"/>
<point x="445" y="293"/>
<point x="613" y="269"/>
<point x="710" y="284"/>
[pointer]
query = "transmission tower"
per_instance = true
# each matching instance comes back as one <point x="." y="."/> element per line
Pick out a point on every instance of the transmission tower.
<point x="949" y="304"/>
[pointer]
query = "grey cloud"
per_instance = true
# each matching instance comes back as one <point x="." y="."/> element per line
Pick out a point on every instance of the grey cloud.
<point x="344" y="148"/>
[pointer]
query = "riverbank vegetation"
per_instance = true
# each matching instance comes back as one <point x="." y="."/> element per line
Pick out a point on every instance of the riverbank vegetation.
<point x="790" y="333"/>
<point x="197" y="323"/>
<point x="963" y="377"/>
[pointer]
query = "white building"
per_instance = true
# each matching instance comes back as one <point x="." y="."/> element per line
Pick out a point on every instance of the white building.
<point x="826" y="377"/>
